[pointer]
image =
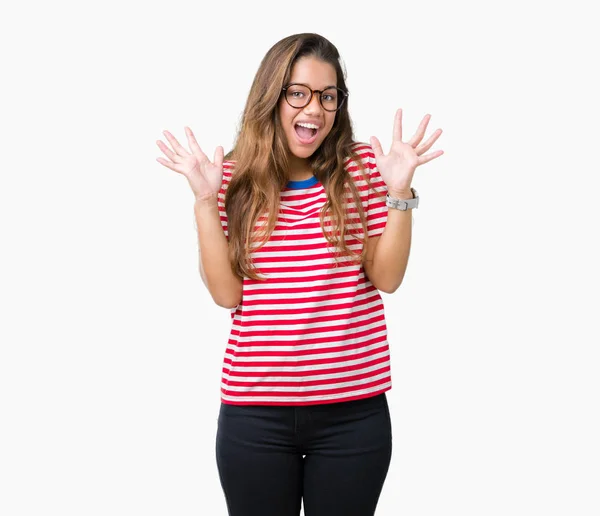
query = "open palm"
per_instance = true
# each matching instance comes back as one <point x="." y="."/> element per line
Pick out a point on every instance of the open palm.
<point x="397" y="168"/>
<point x="204" y="177"/>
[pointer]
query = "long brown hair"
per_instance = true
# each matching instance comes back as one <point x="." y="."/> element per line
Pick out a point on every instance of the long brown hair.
<point x="261" y="156"/>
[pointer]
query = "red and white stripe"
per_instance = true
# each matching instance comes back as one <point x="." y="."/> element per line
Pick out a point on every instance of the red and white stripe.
<point x="310" y="333"/>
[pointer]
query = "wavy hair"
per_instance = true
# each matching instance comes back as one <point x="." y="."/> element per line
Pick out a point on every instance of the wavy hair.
<point x="261" y="154"/>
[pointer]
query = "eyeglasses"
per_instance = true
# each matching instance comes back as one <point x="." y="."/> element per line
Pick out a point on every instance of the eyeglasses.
<point x="300" y="95"/>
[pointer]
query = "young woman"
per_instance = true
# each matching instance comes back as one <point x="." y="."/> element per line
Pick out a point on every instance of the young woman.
<point x="297" y="237"/>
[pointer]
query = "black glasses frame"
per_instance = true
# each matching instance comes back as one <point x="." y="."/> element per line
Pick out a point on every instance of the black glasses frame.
<point x="320" y="92"/>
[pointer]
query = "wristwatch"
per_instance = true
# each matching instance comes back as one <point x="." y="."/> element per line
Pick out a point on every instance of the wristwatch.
<point x="403" y="204"/>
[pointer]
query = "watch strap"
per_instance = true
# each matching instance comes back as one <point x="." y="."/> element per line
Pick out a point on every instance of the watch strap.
<point x="403" y="204"/>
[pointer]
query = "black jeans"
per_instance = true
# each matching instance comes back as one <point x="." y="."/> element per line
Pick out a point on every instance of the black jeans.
<point x="334" y="457"/>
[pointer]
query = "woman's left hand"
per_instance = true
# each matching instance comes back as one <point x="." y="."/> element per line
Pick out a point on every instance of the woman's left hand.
<point x="398" y="166"/>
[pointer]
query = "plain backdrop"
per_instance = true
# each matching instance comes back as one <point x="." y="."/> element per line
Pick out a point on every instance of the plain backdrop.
<point x="111" y="347"/>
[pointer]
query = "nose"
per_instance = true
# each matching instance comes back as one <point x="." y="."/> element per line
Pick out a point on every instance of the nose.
<point x="314" y="106"/>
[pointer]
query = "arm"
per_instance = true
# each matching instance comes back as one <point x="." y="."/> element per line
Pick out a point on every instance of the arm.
<point x="224" y="286"/>
<point x="387" y="254"/>
<point x="205" y="178"/>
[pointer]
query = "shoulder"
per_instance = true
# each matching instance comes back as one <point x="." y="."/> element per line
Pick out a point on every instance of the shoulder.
<point x="360" y="153"/>
<point x="361" y="161"/>
<point x="228" y="170"/>
<point x="363" y="150"/>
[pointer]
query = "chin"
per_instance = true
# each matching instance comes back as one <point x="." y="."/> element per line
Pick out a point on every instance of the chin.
<point x="304" y="151"/>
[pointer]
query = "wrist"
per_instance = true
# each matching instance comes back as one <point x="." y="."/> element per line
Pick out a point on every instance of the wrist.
<point x="401" y="194"/>
<point x="206" y="201"/>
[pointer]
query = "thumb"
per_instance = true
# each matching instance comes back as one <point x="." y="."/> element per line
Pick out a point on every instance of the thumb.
<point x="376" y="147"/>
<point x="219" y="156"/>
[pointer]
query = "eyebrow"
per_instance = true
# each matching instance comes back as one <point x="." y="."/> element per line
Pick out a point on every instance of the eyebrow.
<point x="304" y="84"/>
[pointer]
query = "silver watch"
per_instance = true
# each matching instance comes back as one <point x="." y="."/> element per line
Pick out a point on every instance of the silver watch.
<point x="403" y="204"/>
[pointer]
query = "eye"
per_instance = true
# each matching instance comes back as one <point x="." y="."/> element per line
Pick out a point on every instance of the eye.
<point x="330" y="95"/>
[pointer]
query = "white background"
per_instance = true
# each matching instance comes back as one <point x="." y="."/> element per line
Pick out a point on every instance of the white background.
<point x="111" y="347"/>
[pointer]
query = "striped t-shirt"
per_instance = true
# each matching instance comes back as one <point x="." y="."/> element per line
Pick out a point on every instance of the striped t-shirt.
<point x="310" y="333"/>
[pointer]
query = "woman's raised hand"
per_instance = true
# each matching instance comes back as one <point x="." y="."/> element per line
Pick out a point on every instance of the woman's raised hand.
<point x="397" y="168"/>
<point x="203" y="176"/>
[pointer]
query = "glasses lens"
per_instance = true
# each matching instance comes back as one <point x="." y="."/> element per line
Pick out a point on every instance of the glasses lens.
<point x="297" y="95"/>
<point x="331" y="98"/>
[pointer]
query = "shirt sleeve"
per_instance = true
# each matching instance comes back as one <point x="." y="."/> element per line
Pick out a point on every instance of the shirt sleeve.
<point x="227" y="171"/>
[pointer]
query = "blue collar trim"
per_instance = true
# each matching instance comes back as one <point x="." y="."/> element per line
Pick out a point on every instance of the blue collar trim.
<point x="296" y="185"/>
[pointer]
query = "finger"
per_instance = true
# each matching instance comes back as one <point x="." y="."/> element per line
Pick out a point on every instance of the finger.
<point x="430" y="156"/>
<point x="424" y="147"/>
<point x="196" y="150"/>
<point x="168" y="152"/>
<point x="219" y="156"/>
<point x="168" y="164"/>
<point x="376" y="147"/>
<point x="418" y="136"/>
<point x="397" y="135"/>
<point x="177" y="147"/>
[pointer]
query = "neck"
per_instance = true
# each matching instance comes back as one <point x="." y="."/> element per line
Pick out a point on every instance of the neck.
<point x="299" y="169"/>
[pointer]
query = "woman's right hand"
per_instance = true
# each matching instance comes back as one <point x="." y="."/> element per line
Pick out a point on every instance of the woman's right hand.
<point x="204" y="177"/>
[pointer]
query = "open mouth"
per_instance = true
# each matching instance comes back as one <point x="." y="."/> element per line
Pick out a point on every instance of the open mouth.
<point x="306" y="135"/>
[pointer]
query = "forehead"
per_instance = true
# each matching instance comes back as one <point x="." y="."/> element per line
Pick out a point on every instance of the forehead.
<point x="314" y="72"/>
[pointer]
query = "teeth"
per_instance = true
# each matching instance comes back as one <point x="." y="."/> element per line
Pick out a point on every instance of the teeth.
<point x="307" y="125"/>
